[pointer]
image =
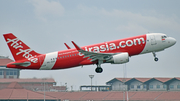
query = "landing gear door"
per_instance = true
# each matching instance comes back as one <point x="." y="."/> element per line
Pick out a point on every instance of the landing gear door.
<point x="153" y="40"/>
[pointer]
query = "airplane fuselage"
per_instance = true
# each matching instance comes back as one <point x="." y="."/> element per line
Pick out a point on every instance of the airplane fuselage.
<point x="142" y="44"/>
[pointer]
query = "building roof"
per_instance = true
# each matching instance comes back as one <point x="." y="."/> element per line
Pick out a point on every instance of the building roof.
<point x="123" y="79"/>
<point x="169" y="96"/>
<point x="118" y="95"/>
<point x="14" y="85"/>
<point x="143" y="80"/>
<point x="178" y="78"/>
<point x="149" y="96"/>
<point x="5" y="61"/>
<point x="15" y="91"/>
<point x="61" y="88"/>
<point x="163" y="79"/>
<point x="119" y="79"/>
<point x="48" y="80"/>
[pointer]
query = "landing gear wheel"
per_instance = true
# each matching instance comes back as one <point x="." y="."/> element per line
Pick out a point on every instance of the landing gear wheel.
<point x="155" y="59"/>
<point x="99" y="70"/>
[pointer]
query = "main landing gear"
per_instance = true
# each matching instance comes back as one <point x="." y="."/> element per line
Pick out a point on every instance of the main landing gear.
<point x="155" y="58"/>
<point x="99" y="69"/>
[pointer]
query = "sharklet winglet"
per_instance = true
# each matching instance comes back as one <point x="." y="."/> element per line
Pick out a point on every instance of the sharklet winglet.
<point x="76" y="46"/>
<point x="67" y="46"/>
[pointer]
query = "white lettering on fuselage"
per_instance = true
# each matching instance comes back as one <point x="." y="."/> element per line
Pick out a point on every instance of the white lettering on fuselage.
<point x="112" y="46"/>
<point x="26" y="53"/>
<point x="67" y="53"/>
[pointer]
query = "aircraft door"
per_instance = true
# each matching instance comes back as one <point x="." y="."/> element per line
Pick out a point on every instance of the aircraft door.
<point x="153" y="40"/>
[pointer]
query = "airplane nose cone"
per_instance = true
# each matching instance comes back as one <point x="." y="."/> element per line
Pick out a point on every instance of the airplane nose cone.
<point x="173" y="41"/>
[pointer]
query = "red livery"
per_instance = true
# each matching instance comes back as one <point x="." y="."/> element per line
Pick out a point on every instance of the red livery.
<point x="115" y="52"/>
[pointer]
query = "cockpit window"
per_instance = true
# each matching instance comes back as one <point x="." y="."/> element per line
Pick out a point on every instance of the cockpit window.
<point x="163" y="37"/>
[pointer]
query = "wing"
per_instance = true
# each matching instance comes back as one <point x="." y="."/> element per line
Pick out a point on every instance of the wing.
<point x="94" y="56"/>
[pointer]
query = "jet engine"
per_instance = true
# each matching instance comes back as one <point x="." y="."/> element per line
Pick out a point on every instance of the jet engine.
<point x="119" y="58"/>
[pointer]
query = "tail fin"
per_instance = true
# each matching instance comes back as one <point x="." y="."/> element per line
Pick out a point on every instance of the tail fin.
<point x="19" y="49"/>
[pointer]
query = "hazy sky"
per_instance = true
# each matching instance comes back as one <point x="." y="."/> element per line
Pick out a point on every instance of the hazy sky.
<point x="45" y="25"/>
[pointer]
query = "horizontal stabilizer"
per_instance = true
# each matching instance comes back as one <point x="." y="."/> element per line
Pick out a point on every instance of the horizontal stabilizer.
<point x="25" y="64"/>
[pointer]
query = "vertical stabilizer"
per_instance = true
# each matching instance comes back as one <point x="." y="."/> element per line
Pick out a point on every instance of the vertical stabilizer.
<point x="19" y="49"/>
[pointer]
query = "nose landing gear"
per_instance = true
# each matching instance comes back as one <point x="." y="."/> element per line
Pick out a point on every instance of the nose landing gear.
<point x="155" y="58"/>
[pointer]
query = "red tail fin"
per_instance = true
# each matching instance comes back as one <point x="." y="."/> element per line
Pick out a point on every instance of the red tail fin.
<point x="19" y="49"/>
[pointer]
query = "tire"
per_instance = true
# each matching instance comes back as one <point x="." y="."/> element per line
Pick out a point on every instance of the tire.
<point x="98" y="70"/>
<point x="156" y="59"/>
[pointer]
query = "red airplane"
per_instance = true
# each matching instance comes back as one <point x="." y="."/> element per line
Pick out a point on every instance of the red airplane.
<point x="114" y="52"/>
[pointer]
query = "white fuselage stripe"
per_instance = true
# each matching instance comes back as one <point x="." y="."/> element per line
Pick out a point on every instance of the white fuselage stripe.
<point x="49" y="61"/>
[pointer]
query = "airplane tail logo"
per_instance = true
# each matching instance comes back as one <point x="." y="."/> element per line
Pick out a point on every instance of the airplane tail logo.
<point x="19" y="49"/>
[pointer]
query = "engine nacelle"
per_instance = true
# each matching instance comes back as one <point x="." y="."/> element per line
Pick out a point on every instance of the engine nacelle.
<point x="120" y="58"/>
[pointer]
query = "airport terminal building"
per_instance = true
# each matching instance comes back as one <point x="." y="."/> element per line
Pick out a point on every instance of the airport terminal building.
<point x="7" y="72"/>
<point x="145" y="84"/>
